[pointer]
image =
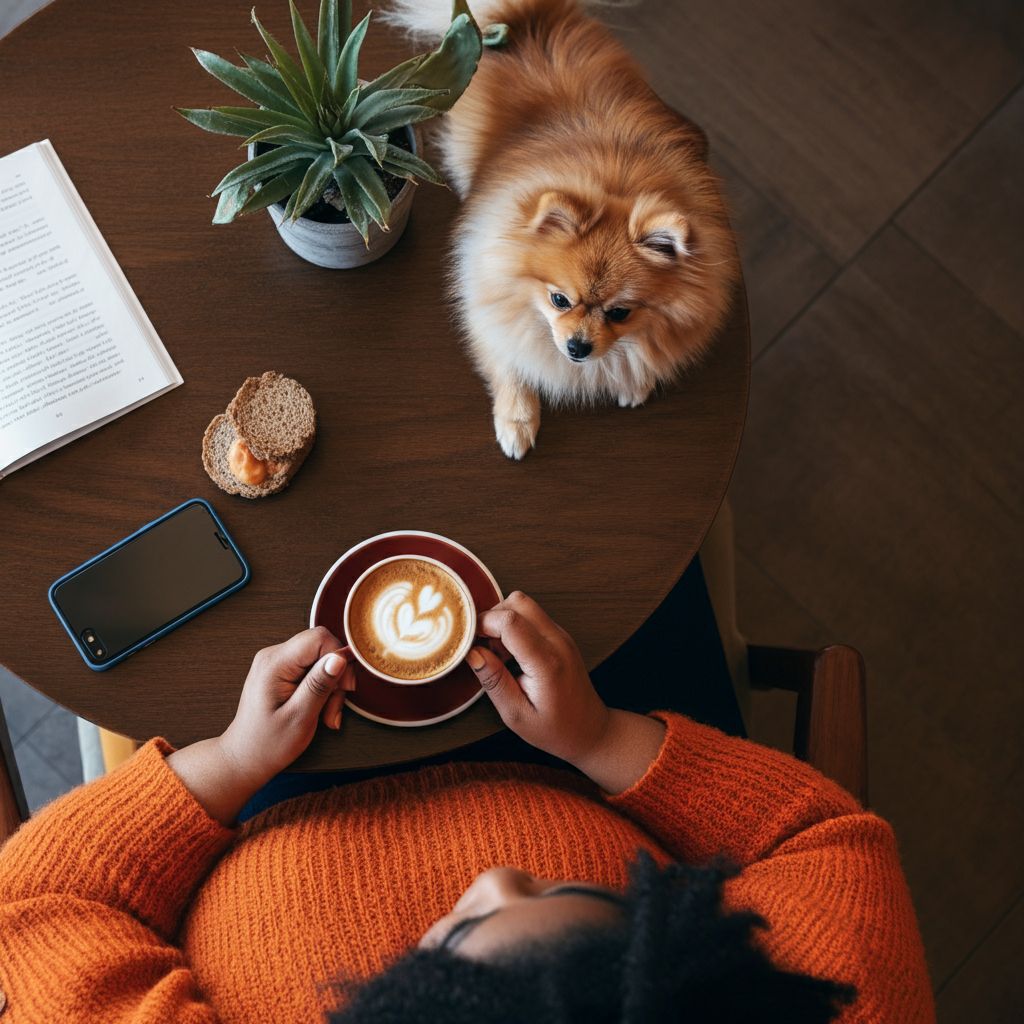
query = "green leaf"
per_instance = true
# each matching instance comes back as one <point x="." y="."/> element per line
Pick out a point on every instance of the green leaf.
<point x="312" y="186"/>
<point x="341" y="152"/>
<point x="230" y="204"/>
<point x="316" y="73"/>
<point x="273" y="191"/>
<point x="216" y="122"/>
<point x="387" y="99"/>
<point x="290" y="72"/>
<point x="271" y="79"/>
<point x="287" y="133"/>
<point x="452" y="65"/>
<point x="242" y="80"/>
<point x="354" y="205"/>
<point x="396" y="77"/>
<point x="397" y="117"/>
<point x="404" y="164"/>
<point x="263" y="118"/>
<point x="378" y="205"/>
<point x="370" y="145"/>
<point x="332" y="29"/>
<point x="266" y="165"/>
<point x="346" y="74"/>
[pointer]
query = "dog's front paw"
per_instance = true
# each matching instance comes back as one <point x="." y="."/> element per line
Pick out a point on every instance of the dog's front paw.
<point x="516" y="437"/>
<point x="632" y="399"/>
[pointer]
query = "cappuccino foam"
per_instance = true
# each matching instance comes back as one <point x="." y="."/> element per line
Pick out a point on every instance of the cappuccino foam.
<point x="408" y="619"/>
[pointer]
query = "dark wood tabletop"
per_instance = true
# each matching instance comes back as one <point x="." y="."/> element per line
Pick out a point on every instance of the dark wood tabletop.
<point x="597" y="523"/>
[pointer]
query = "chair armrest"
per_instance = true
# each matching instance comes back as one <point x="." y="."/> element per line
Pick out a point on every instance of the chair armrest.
<point x="831" y="711"/>
<point x="13" y="807"/>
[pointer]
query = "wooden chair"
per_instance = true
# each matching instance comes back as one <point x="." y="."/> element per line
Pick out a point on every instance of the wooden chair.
<point x="831" y="685"/>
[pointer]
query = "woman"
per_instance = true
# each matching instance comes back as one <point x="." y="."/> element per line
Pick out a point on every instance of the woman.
<point x="460" y="891"/>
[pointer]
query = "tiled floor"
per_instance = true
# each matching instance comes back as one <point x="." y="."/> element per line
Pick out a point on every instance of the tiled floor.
<point x="872" y="151"/>
<point x="45" y="739"/>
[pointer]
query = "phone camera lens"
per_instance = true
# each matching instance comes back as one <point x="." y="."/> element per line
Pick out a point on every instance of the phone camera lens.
<point x="93" y="643"/>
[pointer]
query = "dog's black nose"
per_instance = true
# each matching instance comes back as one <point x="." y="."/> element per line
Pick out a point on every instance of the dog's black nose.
<point x="578" y="348"/>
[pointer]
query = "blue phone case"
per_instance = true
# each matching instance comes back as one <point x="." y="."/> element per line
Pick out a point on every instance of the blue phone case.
<point x="170" y="626"/>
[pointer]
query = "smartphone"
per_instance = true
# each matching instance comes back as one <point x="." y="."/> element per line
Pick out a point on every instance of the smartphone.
<point x="148" y="584"/>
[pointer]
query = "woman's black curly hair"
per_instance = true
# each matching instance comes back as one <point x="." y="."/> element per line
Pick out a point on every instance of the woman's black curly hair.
<point x="677" y="956"/>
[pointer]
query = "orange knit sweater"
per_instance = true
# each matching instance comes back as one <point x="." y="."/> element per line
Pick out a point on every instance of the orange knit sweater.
<point x="124" y="901"/>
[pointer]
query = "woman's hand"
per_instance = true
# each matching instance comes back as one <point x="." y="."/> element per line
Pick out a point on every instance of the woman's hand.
<point x="553" y="705"/>
<point x="290" y="686"/>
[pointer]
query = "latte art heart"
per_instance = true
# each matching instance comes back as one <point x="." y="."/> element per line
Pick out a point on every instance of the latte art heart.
<point x="410" y="619"/>
<point x="411" y="628"/>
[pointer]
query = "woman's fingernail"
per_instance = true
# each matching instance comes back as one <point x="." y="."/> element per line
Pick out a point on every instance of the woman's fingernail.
<point x="336" y="723"/>
<point x="350" y="683"/>
<point x="334" y="665"/>
<point x="475" y="659"/>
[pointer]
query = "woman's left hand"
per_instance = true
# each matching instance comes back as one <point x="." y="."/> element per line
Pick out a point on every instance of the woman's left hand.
<point x="290" y="686"/>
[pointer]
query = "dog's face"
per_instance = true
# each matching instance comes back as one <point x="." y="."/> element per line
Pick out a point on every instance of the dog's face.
<point x="607" y="268"/>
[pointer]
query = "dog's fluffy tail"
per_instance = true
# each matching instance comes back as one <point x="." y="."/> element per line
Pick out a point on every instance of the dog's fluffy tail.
<point x="430" y="18"/>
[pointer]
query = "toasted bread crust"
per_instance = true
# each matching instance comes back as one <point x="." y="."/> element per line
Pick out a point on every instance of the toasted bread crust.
<point x="274" y="415"/>
<point x="217" y="441"/>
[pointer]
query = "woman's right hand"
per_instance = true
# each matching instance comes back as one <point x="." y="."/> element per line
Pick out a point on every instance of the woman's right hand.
<point x="553" y="705"/>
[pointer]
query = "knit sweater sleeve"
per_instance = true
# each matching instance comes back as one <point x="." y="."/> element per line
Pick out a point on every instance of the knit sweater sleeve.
<point x="823" y="873"/>
<point x="101" y="877"/>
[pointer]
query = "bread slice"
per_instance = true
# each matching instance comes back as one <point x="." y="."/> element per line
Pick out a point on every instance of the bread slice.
<point x="274" y="415"/>
<point x="217" y="441"/>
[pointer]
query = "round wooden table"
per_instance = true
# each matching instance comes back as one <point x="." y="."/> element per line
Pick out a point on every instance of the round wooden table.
<point x="597" y="523"/>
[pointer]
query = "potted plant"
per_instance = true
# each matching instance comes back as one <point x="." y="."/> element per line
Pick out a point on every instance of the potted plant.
<point x="332" y="158"/>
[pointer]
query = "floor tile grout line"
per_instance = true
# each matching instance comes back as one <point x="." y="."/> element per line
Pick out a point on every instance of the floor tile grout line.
<point x="35" y="725"/>
<point x="1014" y="903"/>
<point x="922" y="248"/>
<point x="53" y="766"/>
<point x="890" y="220"/>
<point x="824" y="626"/>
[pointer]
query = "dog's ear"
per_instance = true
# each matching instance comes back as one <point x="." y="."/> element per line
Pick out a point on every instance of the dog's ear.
<point x="658" y="229"/>
<point x="562" y="212"/>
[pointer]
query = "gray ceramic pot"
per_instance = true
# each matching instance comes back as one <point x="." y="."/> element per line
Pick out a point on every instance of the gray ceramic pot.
<point x="340" y="246"/>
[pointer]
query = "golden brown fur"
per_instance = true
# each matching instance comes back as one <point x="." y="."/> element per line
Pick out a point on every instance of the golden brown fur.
<point x="579" y="182"/>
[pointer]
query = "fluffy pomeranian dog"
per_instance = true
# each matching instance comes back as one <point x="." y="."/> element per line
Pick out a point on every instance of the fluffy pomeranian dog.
<point x="593" y="255"/>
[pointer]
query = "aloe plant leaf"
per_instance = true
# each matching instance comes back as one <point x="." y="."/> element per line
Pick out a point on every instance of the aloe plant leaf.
<point x="340" y="152"/>
<point x="397" y="117"/>
<point x="403" y="164"/>
<point x="230" y="204"/>
<point x="387" y="99"/>
<point x="316" y="73"/>
<point x="332" y="31"/>
<point x="290" y="72"/>
<point x="273" y="191"/>
<point x="354" y="206"/>
<point x="396" y="77"/>
<point x="261" y="118"/>
<point x="264" y="166"/>
<point x="216" y="122"/>
<point x="453" y="63"/>
<point x="271" y="79"/>
<point x="287" y="133"/>
<point x="312" y="186"/>
<point x="379" y="205"/>
<point x="242" y="80"/>
<point x="374" y="146"/>
<point x="346" y="72"/>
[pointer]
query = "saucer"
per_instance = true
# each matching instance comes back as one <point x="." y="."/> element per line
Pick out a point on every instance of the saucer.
<point x="394" y="703"/>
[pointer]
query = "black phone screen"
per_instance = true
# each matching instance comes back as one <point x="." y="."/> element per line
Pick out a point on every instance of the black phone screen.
<point x="170" y="569"/>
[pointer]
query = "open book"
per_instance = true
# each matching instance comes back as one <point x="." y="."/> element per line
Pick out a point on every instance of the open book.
<point x="76" y="348"/>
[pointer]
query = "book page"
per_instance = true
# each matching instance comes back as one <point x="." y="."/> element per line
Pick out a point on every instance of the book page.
<point x="76" y="348"/>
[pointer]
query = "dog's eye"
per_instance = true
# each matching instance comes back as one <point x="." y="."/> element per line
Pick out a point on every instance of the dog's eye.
<point x="617" y="314"/>
<point x="560" y="301"/>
